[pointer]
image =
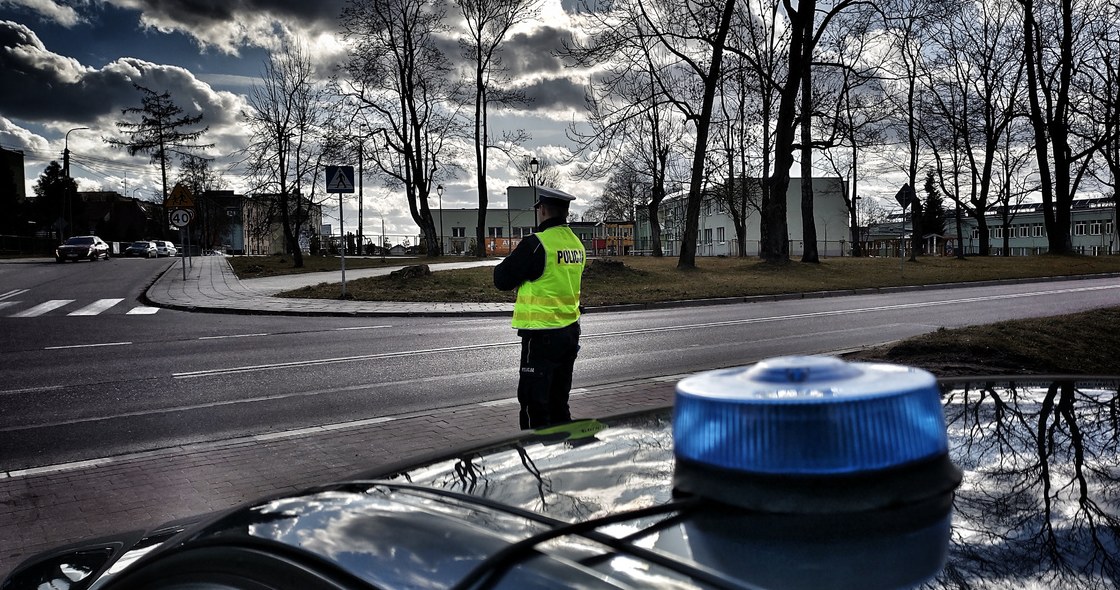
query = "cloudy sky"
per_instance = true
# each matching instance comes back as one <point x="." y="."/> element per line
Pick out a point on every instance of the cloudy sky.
<point x="66" y="64"/>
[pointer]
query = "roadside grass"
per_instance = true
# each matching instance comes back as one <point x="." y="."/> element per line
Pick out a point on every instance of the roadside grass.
<point x="1083" y="343"/>
<point x="645" y="279"/>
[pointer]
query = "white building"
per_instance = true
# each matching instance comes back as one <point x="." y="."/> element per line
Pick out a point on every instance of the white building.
<point x="716" y="236"/>
<point x="1093" y="231"/>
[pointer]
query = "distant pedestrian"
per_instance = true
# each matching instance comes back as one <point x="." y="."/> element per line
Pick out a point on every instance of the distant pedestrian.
<point x="546" y="268"/>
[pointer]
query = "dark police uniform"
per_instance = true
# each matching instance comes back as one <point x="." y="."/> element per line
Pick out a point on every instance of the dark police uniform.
<point x="546" y="268"/>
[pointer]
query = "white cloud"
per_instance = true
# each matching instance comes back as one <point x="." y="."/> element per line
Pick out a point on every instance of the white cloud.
<point x="50" y="10"/>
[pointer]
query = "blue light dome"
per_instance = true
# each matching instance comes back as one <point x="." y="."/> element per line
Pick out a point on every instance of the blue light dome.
<point x="809" y="416"/>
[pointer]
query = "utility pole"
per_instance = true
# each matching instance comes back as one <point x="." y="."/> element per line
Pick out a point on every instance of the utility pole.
<point x="68" y="204"/>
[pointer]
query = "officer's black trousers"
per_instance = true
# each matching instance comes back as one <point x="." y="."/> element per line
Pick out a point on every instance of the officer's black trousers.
<point x="547" y="360"/>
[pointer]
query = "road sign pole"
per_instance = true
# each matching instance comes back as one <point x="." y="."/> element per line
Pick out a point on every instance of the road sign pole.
<point x="342" y="244"/>
<point x="183" y="232"/>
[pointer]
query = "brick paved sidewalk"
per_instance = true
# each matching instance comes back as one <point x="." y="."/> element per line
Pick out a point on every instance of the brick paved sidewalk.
<point x="43" y="508"/>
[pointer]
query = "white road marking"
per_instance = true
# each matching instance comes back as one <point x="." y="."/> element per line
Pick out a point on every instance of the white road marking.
<point x="30" y="389"/>
<point x="363" y="328"/>
<point x="4" y="304"/>
<point x="230" y="336"/>
<point x="13" y="293"/>
<point x="142" y="310"/>
<point x="42" y="308"/>
<point x="96" y="307"/>
<point x="87" y="345"/>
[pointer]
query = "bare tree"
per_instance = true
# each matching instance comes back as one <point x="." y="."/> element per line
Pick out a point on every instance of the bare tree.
<point x="287" y="117"/>
<point x="210" y="220"/>
<point x="687" y="41"/>
<point x="974" y="87"/>
<point x="805" y="34"/>
<point x="636" y="108"/>
<point x="1055" y="33"/>
<point x="488" y="22"/>
<point x="858" y="119"/>
<point x="625" y="191"/>
<point x="403" y="83"/>
<point x="162" y="130"/>
<point x="909" y="25"/>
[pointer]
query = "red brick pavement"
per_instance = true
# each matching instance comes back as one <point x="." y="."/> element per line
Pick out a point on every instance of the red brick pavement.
<point x="41" y="510"/>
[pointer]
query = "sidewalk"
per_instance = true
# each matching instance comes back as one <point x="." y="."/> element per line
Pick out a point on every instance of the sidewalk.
<point x="211" y="285"/>
<point x="45" y="507"/>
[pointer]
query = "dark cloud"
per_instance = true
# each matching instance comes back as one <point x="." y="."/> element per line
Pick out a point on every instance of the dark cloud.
<point x="45" y="87"/>
<point x="203" y="11"/>
<point x="558" y="94"/>
<point x="535" y="53"/>
<point x="228" y="24"/>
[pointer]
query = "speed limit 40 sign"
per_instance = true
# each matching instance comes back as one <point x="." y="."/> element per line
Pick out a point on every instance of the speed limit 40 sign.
<point x="181" y="217"/>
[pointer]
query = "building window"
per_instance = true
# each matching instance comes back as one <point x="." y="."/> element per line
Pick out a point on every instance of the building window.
<point x="708" y="236"/>
<point x="494" y="232"/>
<point x="1079" y="228"/>
<point x="1023" y="231"/>
<point x="719" y="235"/>
<point x="458" y="232"/>
<point x="1036" y="230"/>
<point x="1094" y="228"/>
<point x="1108" y="228"/>
<point x="524" y="231"/>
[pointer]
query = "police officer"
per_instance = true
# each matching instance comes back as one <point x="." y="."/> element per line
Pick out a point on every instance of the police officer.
<point x="546" y="268"/>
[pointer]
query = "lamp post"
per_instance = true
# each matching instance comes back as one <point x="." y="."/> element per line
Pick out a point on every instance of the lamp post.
<point x="439" y="191"/>
<point x="857" y="249"/>
<point x="534" y="169"/>
<point x="361" y="157"/>
<point x="69" y="206"/>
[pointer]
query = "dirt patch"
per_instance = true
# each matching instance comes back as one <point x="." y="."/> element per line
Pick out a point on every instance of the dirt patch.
<point x="610" y="268"/>
<point x="417" y="271"/>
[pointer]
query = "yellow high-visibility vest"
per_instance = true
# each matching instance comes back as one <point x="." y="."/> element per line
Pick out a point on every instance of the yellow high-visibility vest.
<point x="552" y="301"/>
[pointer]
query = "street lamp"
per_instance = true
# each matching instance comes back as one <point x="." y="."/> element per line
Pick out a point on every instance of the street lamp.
<point x="361" y="157"/>
<point x="439" y="191"/>
<point x="66" y="171"/>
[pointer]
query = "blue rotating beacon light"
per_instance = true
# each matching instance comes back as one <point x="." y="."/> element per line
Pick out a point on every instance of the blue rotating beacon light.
<point x="816" y="473"/>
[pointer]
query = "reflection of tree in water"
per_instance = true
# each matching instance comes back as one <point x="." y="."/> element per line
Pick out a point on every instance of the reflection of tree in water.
<point x="1040" y="496"/>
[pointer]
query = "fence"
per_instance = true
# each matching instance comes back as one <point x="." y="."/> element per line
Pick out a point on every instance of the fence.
<point x="27" y="245"/>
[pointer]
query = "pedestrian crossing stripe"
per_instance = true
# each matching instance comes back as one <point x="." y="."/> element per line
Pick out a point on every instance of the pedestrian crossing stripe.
<point x="95" y="308"/>
<point x="42" y="308"/>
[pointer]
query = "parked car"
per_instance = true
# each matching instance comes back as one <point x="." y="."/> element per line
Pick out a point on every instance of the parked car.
<point x="794" y="473"/>
<point x="82" y="248"/>
<point x="145" y="249"/>
<point x="165" y="248"/>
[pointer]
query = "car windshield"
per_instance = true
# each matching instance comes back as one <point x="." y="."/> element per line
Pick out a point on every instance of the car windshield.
<point x="80" y="241"/>
<point x="140" y="244"/>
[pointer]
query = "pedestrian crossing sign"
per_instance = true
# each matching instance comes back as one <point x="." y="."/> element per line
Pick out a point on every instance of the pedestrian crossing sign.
<point x="340" y="179"/>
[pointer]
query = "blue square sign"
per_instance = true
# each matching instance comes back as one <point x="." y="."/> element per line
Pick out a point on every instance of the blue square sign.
<point x="340" y="179"/>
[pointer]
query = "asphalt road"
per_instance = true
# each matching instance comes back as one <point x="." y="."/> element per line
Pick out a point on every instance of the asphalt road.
<point x="76" y="387"/>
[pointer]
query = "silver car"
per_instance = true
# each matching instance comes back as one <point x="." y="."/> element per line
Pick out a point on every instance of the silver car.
<point x="165" y="248"/>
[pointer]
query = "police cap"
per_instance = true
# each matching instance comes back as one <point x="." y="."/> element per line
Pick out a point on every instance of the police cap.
<point x="552" y="196"/>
